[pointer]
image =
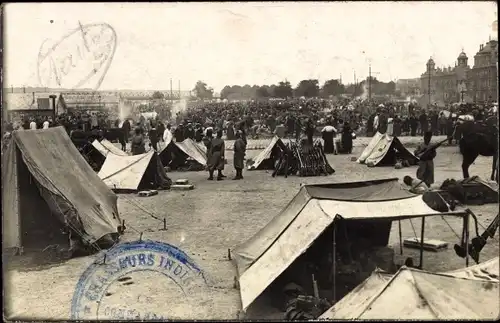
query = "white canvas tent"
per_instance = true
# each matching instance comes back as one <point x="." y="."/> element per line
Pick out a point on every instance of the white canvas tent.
<point x="105" y="147"/>
<point x="265" y="256"/>
<point x="262" y="161"/>
<point x="413" y="294"/>
<point x="488" y="270"/>
<point x="183" y="150"/>
<point x="382" y="151"/>
<point x="133" y="172"/>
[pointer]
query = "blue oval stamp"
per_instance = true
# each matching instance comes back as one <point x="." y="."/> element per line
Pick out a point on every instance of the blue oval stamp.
<point x="138" y="281"/>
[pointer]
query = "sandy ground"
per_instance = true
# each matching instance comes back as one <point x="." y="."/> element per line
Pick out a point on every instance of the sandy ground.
<point x="214" y="217"/>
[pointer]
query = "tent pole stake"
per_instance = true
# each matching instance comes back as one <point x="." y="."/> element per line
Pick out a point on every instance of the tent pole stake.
<point x="400" y="238"/>
<point x="422" y="231"/>
<point x="466" y="224"/>
<point x="334" y="260"/>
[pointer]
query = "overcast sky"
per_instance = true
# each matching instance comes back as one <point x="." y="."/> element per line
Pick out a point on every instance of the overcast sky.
<point x="249" y="43"/>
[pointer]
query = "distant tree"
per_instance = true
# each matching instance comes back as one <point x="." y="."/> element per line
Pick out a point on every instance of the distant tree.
<point x="157" y="96"/>
<point x="226" y="91"/>
<point x="201" y="91"/>
<point x="354" y="89"/>
<point x="283" y="90"/>
<point x="307" y="88"/>
<point x="263" y="92"/>
<point x="332" y="87"/>
<point x="391" y="87"/>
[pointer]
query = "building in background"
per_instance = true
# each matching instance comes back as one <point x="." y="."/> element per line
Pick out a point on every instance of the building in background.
<point x="447" y="84"/>
<point x="482" y="78"/>
<point x="409" y="87"/>
<point x="88" y="101"/>
<point x="20" y="105"/>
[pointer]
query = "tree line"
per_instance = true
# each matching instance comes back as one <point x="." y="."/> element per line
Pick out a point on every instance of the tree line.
<point x="306" y="88"/>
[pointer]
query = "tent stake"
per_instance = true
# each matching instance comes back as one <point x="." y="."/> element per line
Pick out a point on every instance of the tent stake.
<point x="334" y="261"/>
<point x="422" y="243"/>
<point x="400" y="238"/>
<point x="466" y="224"/>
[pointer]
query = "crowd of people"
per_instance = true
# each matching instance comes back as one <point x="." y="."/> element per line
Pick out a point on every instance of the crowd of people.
<point x="285" y="118"/>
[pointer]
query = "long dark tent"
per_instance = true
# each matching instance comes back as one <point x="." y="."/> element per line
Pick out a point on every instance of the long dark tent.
<point x="46" y="183"/>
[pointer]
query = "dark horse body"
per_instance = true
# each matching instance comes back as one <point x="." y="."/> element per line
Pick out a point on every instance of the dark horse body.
<point x="479" y="138"/>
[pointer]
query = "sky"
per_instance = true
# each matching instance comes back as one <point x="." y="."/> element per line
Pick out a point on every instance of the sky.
<point x="145" y="45"/>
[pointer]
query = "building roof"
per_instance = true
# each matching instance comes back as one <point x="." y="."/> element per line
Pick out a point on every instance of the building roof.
<point x="488" y="48"/>
<point x="23" y="101"/>
<point x="462" y="55"/>
<point x="75" y="98"/>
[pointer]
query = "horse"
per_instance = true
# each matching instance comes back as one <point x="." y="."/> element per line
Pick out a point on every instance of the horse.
<point x="479" y="138"/>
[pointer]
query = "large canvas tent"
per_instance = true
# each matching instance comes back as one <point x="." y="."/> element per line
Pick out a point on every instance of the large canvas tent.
<point x="105" y="147"/>
<point x="265" y="256"/>
<point x="413" y="294"/>
<point x="131" y="173"/>
<point x="265" y="158"/>
<point x="175" y="154"/>
<point x="359" y="298"/>
<point x="384" y="150"/>
<point x="45" y="183"/>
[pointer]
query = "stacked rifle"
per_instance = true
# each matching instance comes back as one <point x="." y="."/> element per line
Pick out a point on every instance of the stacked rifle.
<point x="306" y="160"/>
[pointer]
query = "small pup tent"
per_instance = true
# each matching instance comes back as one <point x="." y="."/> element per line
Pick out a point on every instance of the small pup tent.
<point x="366" y="209"/>
<point x="132" y="173"/>
<point x="183" y="155"/>
<point x="46" y="183"/>
<point x="385" y="150"/>
<point x="265" y="159"/>
<point x="413" y="294"/>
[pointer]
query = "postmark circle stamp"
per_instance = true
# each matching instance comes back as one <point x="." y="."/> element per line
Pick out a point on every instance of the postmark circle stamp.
<point x="80" y="59"/>
<point x="137" y="281"/>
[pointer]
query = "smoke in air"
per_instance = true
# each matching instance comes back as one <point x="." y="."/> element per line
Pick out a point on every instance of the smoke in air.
<point x="179" y="107"/>
<point x="364" y="93"/>
<point x="125" y="110"/>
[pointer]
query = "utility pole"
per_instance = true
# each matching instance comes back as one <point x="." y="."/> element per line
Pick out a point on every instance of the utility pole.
<point x="179" y="90"/>
<point x="370" y="81"/>
<point x="355" y="85"/>
<point x="171" y="92"/>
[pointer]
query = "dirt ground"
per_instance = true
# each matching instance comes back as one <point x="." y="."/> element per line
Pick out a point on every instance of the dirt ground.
<point x="216" y="216"/>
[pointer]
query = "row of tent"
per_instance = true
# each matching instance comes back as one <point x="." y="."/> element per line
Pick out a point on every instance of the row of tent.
<point x="124" y="172"/>
<point x="46" y="182"/>
<point x="314" y="211"/>
<point x="382" y="150"/>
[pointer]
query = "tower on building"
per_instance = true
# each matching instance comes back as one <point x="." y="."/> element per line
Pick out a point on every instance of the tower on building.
<point x="430" y="64"/>
<point x="462" y="59"/>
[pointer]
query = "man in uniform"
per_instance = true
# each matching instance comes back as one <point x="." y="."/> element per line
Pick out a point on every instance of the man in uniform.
<point x="426" y="153"/>
<point x="239" y="155"/>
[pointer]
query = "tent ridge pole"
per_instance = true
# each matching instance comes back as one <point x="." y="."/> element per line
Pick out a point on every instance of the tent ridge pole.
<point x="422" y="231"/>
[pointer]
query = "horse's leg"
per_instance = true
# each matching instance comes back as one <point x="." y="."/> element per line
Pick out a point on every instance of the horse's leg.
<point x="467" y="159"/>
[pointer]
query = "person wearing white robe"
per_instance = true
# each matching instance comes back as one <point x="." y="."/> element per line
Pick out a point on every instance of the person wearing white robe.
<point x="167" y="134"/>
